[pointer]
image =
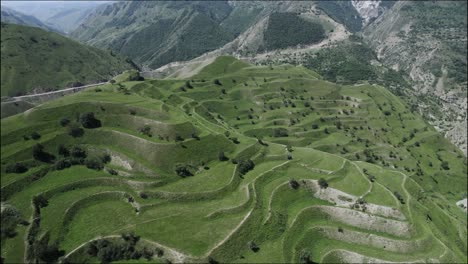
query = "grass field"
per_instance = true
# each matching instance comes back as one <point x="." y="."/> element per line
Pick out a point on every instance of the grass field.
<point x="172" y="169"/>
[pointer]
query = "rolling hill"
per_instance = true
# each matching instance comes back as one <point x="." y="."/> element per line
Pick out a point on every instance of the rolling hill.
<point x="34" y="60"/>
<point x="239" y="163"/>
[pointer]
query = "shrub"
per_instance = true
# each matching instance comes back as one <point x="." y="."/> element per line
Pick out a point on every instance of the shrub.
<point x="304" y="257"/>
<point x="195" y="136"/>
<point x="293" y="184"/>
<point x="35" y="135"/>
<point x="75" y="130"/>
<point x="245" y="166"/>
<point x="399" y="197"/>
<point x="63" y="151"/>
<point x="10" y="217"/>
<point x="444" y="165"/>
<point x="88" y="120"/>
<point x="183" y="170"/>
<point x="145" y="130"/>
<point x="112" y="171"/>
<point x="217" y="82"/>
<point x="62" y="164"/>
<point x="94" y="163"/>
<point x="77" y="152"/>
<point x="16" y="168"/>
<point x="280" y="132"/>
<point x="40" y="201"/>
<point x="222" y="157"/>
<point x="323" y="183"/>
<point x="64" y="121"/>
<point x="40" y="155"/>
<point x="252" y="246"/>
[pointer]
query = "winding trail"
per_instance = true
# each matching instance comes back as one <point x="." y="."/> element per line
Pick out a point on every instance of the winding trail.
<point x="16" y="98"/>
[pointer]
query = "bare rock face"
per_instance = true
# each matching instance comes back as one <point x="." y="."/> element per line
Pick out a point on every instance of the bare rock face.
<point x="367" y="9"/>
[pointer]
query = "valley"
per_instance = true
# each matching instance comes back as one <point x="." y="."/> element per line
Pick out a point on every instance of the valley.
<point x="233" y="132"/>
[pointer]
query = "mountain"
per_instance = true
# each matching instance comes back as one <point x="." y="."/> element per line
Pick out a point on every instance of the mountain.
<point x="158" y="33"/>
<point x="9" y="15"/>
<point x="427" y="41"/>
<point x="63" y="16"/>
<point x="260" y="158"/>
<point x="35" y="60"/>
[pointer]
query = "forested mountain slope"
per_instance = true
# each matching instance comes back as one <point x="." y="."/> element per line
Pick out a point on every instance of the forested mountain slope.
<point x="34" y="60"/>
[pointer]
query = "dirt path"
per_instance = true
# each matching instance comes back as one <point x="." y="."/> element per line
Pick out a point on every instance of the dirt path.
<point x="16" y="98"/>
<point x="230" y="233"/>
<point x="176" y="256"/>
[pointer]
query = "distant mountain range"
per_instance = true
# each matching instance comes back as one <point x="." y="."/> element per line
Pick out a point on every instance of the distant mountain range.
<point x="9" y="15"/>
<point x="62" y="16"/>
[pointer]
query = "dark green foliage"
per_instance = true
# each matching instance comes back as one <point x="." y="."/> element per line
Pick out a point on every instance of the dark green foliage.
<point x="45" y="252"/>
<point x="10" y="218"/>
<point x="64" y="121"/>
<point x="88" y="120"/>
<point x="304" y="257"/>
<point x="40" y="201"/>
<point x="16" y="167"/>
<point x="293" y="184"/>
<point x="342" y="12"/>
<point x="146" y="130"/>
<point x="63" y="151"/>
<point x="399" y="197"/>
<point x="252" y="246"/>
<point x="124" y="249"/>
<point x="444" y="165"/>
<point x="75" y="130"/>
<point x="323" y="183"/>
<point x="94" y="163"/>
<point x="40" y="155"/>
<point x="245" y="166"/>
<point x="346" y="62"/>
<point x="77" y="152"/>
<point x="280" y="132"/>
<point x="62" y="164"/>
<point x="222" y="157"/>
<point x="287" y="29"/>
<point x="217" y="82"/>
<point x="183" y="170"/>
<point x="35" y="135"/>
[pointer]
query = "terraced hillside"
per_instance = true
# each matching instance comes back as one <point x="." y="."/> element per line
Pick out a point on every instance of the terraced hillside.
<point x="238" y="164"/>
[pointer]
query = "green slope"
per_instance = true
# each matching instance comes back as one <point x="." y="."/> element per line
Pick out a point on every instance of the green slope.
<point x="156" y="33"/>
<point x="33" y="59"/>
<point x="295" y="128"/>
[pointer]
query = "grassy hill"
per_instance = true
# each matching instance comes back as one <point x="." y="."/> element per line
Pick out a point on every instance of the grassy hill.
<point x="37" y="60"/>
<point x="240" y="163"/>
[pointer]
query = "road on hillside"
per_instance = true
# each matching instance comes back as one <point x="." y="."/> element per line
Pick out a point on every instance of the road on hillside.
<point x="57" y="91"/>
